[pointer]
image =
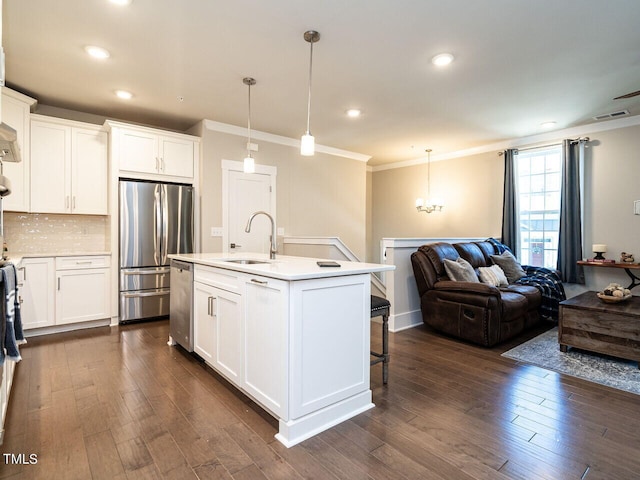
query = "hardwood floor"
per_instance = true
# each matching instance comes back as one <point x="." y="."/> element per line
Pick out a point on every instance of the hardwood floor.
<point x="119" y="403"/>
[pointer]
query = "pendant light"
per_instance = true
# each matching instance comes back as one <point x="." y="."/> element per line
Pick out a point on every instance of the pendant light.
<point x="431" y="205"/>
<point x="249" y="165"/>
<point x="307" y="143"/>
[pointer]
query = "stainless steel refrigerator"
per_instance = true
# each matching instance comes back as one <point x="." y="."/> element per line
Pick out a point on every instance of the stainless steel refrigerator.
<point x="156" y="219"/>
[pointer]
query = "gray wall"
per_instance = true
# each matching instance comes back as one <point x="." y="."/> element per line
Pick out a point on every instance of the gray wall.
<point x="323" y="195"/>
<point x="472" y="188"/>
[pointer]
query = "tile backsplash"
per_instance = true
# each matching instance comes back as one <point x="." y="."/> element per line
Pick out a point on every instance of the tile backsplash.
<point x="51" y="233"/>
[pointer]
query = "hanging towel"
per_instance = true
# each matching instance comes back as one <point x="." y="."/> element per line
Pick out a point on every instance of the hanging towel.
<point x="13" y="334"/>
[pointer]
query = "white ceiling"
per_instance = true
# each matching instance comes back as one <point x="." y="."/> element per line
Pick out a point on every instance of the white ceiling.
<point x="518" y="63"/>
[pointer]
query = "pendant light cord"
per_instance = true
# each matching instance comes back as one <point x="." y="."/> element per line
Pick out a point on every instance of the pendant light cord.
<point x="249" y="122"/>
<point x="309" y="97"/>
<point x="428" y="175"/>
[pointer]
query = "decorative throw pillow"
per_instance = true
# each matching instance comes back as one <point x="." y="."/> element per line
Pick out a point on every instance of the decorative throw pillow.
<point x="492" y="275"/>
<point x="460" y="270"/>
<point x="509" y="266"/>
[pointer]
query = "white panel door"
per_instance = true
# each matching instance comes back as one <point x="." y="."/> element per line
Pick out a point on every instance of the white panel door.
<point x="204" y="333"/>
<point x="176" y="157"/>
<point x="138" y="151"/>
<point x="266" y="343"/>
<point x="249" y="193"/>
<point x="89" y="172"/>
<point x="82" y="295"/>
<point x="36" y="292"/>
<point x="50" y="167"/>
<point x="228" y="325"/>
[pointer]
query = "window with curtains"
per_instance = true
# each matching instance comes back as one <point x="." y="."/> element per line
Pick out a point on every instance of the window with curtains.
<point x="539" y="183"/>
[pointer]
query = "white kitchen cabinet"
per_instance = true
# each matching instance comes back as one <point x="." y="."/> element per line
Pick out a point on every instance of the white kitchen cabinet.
<point x="204" y="335"/>
<point x="266" y="342"/>
<point x="36" y="292"/>
<point x="155" y="152"/>
<point x="82" y="289"/>
<point x="68" y="167"/>
<point x="16" y="110"/>
<point x="218" y="328"/>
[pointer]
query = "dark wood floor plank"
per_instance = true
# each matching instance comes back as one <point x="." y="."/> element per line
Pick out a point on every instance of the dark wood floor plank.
<point x="265" y="458"/>
<point x="104" y="459"/>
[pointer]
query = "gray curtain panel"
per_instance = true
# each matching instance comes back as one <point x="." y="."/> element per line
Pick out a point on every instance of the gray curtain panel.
<point x="510" y="227"/>
<point x="570" y="242"/>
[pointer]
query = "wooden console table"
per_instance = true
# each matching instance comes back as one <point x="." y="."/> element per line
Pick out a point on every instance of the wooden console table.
<point x="635" y="281"/>
<point x="588" y="323"/>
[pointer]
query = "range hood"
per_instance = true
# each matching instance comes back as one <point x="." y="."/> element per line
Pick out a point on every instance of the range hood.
<point x="9" y="148"/>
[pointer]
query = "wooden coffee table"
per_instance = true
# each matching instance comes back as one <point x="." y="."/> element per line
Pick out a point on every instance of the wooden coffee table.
<point x="586" y="322"/>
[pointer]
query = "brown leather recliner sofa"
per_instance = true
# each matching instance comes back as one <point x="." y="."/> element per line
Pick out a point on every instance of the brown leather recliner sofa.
<point x="476" y="312"/>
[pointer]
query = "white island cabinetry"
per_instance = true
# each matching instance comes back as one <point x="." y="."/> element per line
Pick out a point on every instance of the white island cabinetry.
<point x="217" y="324"/>
<point x="266" y="333"/>
<point x="291" y="335"/>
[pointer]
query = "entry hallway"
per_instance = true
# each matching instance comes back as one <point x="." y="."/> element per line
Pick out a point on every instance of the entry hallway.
<point x="116" y="403"/>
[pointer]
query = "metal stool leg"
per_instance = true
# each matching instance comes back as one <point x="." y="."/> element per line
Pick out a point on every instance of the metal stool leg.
<point x="385" y="347"/>
<point x="384" y="356"/>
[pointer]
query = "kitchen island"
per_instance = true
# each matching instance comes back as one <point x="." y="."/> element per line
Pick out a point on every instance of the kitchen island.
<point x="290" y="334"/>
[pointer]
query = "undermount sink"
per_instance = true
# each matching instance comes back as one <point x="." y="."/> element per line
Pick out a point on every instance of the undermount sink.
<point x="246" y="262"/>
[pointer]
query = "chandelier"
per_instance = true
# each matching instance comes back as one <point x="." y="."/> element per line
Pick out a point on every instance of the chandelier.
<point x="431" y="204"/>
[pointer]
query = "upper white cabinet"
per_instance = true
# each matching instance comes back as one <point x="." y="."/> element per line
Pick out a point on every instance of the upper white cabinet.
<point x="154" y="153"/>
<point x="68" y="167"/>
<point x="16" y="109"/>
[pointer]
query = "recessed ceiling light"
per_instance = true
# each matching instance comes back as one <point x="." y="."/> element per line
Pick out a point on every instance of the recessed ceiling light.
<point x="121" y="2"/>
<point x="354" y="113"/>
<point x="97" y="52"/>
<point x="548" y="124"/>
<point x="123" y="94"/>
<point x="442" y="59"/>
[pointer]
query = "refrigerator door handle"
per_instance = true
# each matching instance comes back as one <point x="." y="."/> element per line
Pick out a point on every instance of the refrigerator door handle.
<point x="157" y="225"/>
<point x="165" y="225"/>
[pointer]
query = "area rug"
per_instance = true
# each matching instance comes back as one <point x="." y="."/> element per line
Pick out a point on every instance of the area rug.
<point x="543" y="351"/>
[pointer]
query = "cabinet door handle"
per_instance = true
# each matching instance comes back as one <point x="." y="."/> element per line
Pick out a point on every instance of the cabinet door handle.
<point x="162" y="164"/>
<point x="210" y="306"/>
<point x="24" y="273"/>
<point x="73" y="207"/>
<point x="157" y="165"/>
<point x="58" y="283"/>
<point x="259" y="282"/>
<point x="66" y="202"/>
<point x="84" y="262"/>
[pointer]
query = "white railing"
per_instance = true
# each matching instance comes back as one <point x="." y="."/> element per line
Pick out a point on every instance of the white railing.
<point x="326" y="247"/>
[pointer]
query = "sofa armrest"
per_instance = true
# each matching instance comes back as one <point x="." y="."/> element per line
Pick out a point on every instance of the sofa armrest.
<point x="467" y="287"/>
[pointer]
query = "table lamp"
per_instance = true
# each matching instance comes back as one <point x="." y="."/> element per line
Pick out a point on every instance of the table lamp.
<point x="599" y="249"/>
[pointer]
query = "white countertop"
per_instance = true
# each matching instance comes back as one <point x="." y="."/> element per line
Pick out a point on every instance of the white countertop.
<point x="283" y="267"/>
<point x="16" y="258"/>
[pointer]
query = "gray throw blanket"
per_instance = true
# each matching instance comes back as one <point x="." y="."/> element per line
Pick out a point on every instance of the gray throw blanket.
<point x="12" y="328"/>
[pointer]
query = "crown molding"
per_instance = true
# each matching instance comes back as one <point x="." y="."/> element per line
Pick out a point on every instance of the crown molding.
<point x="521" y="142"/>
<point x="280" y="140"/>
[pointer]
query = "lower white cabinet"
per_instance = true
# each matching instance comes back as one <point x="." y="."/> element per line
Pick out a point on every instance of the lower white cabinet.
<point x="64" y="290"/>
<point x="36" y="292"/>
<point x="266" y="325"/>
<point x="218" y="329"/>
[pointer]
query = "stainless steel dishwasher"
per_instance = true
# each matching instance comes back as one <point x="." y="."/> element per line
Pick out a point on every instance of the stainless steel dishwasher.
<point x="181" y="304"/>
